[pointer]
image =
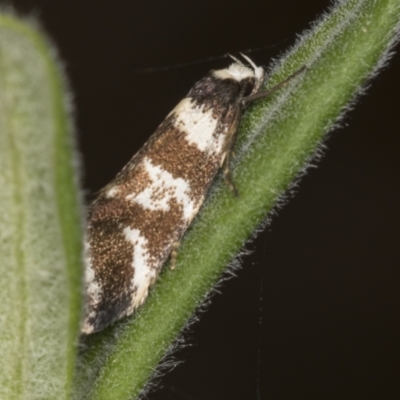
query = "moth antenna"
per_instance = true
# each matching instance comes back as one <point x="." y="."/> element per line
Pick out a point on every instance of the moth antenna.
<point x="265" y="93"/>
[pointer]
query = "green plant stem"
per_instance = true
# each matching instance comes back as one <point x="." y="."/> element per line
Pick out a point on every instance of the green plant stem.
<point x="279" y="137"/>
<point x="40" y="228"/>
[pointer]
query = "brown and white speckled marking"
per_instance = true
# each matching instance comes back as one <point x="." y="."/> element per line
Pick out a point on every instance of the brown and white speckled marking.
<point x="137" y="219"/>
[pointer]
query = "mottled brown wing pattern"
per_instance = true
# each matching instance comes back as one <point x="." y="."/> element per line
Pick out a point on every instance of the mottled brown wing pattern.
<point x="137" y="219"/>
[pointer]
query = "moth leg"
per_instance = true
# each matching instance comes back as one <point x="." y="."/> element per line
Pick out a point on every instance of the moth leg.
<point x="228" y="173"/>
<point x="174" y="254"/>
<point x="229" y="153"/>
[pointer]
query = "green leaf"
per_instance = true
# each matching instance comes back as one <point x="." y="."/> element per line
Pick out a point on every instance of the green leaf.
<point x="279" y="137"/>
<point x="40" y="228"/>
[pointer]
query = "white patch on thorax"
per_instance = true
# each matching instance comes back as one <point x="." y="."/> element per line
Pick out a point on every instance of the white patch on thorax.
<point x="162" y="189"/>
<point x="143" y="274"/>
<point x="198" y="124"/>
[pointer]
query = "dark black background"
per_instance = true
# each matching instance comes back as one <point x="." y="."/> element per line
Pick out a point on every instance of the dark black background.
<point x="327" y="266"/>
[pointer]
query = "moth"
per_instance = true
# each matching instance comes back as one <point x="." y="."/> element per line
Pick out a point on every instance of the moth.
<point x="137" y="220"/>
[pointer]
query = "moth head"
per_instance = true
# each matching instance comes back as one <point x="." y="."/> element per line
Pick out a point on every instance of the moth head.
<point x="250" y="78"/>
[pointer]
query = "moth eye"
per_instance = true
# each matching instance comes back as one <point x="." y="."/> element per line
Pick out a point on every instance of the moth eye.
<point x="249" y="85"/>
